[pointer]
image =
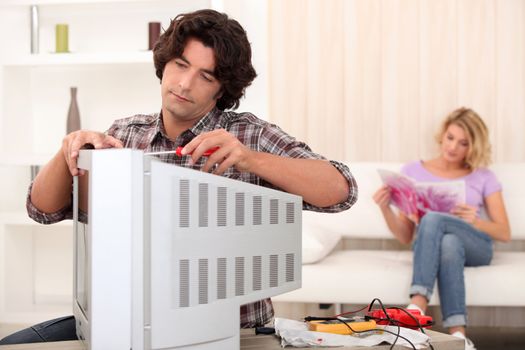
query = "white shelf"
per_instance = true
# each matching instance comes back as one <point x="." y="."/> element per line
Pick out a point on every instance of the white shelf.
<point x="24" y="159"/>
<point x="51" y="59"/>
<point x="21" y="219"/>
<point x="40" y="314"/>
<point x="69" y="2"/>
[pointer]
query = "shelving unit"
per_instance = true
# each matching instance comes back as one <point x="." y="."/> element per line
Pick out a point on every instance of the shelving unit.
<point x="19" y="218"/>
<point x="115" y="79"/>
<point x="27" y="159"/>
<point x="65" y="59"/>
<point x="72" y="2"/>
<point x="36" y="270"/>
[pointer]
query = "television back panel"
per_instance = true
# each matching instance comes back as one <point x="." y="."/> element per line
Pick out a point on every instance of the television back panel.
<point x="216" y="243"/>
<point x="167" y="255"/>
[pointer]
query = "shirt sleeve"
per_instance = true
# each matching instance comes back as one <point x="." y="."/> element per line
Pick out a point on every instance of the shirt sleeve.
<point x="276" y="141"/>
<point x="46" y="218"/>
<point x="409" y="169"/>
<point x="492" y="183"/>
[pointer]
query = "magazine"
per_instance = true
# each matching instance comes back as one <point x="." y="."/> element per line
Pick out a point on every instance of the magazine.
<point x="416" y="198"/>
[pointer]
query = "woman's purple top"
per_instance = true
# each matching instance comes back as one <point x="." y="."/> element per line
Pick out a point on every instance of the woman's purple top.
<point x="479" y="184"/>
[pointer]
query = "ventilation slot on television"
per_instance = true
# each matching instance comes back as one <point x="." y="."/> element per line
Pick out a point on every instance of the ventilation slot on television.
<point x="203" y="205"/>
<point x="290" y="213"/>
<point x="239" y="276"/>
<point x="274" y="211"/>
<point x="184" y="283"/>
<point x="257" y="210"/>
<point x="257" y="273"/>
<point x="203" y="281"/>
<point x="274" y="270"/>
<point x="239" y="209"/>
<point x="221" y="206"/>
<point x="221" y="278"/>
<point x="290" y="267"/>
<point x="184" y="198"/>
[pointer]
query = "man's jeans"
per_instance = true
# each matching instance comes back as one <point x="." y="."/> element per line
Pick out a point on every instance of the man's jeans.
<point x="444" y="245"/>
<point x="59" y="329"/>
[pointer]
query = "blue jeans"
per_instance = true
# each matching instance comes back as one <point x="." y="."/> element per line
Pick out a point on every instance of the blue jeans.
<point x="444" y="245"/>
<point x="59" y="329"/>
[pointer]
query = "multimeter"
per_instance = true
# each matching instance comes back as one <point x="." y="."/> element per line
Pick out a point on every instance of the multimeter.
<point x="342" y="325"/>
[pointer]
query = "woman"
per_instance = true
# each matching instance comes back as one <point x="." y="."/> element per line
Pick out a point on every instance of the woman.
<point x="447" y="242"/>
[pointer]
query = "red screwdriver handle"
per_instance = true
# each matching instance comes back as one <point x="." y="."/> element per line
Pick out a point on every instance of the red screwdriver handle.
<point x="178" y="151"/>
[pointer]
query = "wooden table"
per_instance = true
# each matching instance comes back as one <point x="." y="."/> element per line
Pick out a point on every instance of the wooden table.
<point x="250" y="341"/>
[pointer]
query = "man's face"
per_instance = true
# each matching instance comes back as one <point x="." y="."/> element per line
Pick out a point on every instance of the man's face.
<point x="189" y="89"/>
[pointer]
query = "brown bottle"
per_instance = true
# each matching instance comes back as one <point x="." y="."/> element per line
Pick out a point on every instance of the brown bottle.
<point x="73" y="115"/>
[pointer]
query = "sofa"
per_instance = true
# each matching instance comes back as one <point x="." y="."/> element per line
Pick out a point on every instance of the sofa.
<point x="334" y="271"/>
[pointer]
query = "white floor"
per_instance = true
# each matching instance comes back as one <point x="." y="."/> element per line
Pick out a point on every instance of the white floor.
<point x="485" y="338"/>
<point x="496" y="338"/>
<point x="6" y="329"/>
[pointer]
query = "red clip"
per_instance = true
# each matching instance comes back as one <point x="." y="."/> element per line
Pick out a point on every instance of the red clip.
<point x="402" y="317"/>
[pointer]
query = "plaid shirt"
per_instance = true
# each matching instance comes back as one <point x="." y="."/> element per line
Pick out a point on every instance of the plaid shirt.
<point x="146" y="132"/>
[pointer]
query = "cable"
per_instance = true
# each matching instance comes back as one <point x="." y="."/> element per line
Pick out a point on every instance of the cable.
<point x="390" y="321"/>
<point x="396" y="322"/>
<point x="383" y="330"/>
<point x="351" y="312"/>
<point x="413" y="318"/>
<point x="314" y="318"/>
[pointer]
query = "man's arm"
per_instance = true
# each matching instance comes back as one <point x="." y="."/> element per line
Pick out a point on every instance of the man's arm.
<point x="51" y="189"/>
<point x="317" y="181"/>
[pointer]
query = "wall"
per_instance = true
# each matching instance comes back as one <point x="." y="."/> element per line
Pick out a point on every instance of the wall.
<point x="370" y="80"/>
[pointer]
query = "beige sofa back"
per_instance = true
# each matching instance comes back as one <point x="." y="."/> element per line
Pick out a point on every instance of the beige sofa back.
<point x="364" y="219"/>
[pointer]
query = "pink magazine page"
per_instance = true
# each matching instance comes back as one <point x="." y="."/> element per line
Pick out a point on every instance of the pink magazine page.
<point x="402" y="190"/>
<point x="412" y="197"/>
<point x="440" y="196"/>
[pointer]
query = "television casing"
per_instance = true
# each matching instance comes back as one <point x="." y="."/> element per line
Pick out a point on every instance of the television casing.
<point x="165" y="255"/>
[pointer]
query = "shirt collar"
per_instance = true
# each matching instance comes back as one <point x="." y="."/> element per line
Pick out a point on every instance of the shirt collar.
<point x="207" y="123"/>
<point x="157" y="130"/>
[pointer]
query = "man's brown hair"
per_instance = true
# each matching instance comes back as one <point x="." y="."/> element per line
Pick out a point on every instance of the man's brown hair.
<point x="233" y="55"/>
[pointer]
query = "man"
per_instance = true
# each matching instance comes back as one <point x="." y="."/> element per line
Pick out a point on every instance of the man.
<point x="203" y="61"/>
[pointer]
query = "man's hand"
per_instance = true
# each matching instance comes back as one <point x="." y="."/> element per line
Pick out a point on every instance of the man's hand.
<point x="465" y="212"/>
<point x="230" y="152"/>
<point x="72" y="143"/>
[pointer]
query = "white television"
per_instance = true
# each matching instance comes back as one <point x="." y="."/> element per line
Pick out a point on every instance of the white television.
<point x="165" y="256"/>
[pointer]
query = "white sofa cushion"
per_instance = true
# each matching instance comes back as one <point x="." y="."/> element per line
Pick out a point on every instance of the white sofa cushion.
<point x="364" y="219"/>
<point x="356" y="277"/>
<point x="511" y="177"/>
<point x="318" y="242"/>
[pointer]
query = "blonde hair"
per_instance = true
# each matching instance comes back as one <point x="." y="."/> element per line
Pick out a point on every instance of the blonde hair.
<point x="479" y="153"/>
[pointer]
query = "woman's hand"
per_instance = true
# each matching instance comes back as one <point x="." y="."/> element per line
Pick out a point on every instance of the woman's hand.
<point x="465" y="212"/>
<point x="400" y="225"/>
<point x="382" y="197"/>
